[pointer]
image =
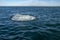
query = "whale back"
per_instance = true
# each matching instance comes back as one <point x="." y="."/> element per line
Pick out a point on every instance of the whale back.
<point x="20" y="17"/>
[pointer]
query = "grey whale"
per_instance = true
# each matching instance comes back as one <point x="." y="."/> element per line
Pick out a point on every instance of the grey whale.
<point x="20" y="17"/>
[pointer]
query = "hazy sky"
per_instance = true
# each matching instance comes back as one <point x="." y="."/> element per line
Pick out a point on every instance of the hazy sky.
<point x="29" y="2"/>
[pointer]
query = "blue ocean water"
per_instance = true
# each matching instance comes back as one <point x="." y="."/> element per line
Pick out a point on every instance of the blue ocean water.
<point x="45" y="27"/>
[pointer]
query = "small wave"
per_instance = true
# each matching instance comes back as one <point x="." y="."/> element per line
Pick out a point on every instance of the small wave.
<point x="19" y="17"/>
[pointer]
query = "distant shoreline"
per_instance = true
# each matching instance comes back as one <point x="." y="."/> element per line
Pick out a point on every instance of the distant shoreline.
<point x="29" y="6"/>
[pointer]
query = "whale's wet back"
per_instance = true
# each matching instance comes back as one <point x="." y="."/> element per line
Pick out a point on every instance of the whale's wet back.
<point x="19" y="17"/>
<point x="45" y="27"/>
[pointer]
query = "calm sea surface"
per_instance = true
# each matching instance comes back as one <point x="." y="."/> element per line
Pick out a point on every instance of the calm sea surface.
<point x="45" y="27"/>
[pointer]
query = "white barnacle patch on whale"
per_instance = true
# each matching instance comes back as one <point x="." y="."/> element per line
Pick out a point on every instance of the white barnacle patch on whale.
<point x="20" y="17"/>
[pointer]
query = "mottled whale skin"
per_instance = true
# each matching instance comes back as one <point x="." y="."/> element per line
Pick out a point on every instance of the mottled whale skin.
<point x="20" y="17"/>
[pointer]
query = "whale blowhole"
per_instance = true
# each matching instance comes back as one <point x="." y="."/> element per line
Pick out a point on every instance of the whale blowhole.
<point x="20" y="17"/>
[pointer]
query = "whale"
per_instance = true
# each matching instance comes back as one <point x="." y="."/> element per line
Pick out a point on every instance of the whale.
<point x="21" y="17"/>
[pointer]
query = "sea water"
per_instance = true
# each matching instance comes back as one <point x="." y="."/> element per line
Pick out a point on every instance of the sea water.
<point x="45" y="27"/>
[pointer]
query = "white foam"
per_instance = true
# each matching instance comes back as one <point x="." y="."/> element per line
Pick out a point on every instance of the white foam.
<point x="19" y="17"/>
